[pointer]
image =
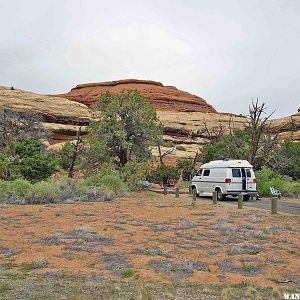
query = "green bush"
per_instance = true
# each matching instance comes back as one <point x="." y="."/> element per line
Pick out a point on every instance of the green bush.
<point x="164" y="174"/>
<point x="133" y="173"/>
<point x="64" y="155"/>
<point x="33" y="164"/>
<point x="15" y="188"/>
<point x="23" y="191"/>
<point x="266" y="178"/>
<point x="44" y="192"/>
<point x="107" y="179"/>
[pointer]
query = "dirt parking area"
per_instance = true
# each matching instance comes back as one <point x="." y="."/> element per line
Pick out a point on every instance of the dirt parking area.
<point x="148" y="237"/>
<point x="284" y="205"/>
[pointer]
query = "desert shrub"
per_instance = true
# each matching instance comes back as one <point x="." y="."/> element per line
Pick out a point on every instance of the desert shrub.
<point x="67" y="188"/>
<point x="18" y="187"/>
<point x="44" y="192"/>
<point x="92" y="193"/>
<point x="168" y="144"/>
<point x="291" y="188"/>
<point x="23" y="191"/>
<point x="111" y="181"/>
<point x="164" y="174"/>
<point x="180" y="148"/>
<point x="133" y="173"/>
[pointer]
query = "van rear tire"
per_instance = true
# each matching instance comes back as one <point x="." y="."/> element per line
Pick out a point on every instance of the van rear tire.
<point x="220" y="195"/>
<point x="246" y="197"/>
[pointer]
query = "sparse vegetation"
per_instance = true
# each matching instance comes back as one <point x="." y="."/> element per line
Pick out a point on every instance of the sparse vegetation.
<point x="20" y="191"/>
<point x="124" y="241"/>
<point x="128" y="273"/>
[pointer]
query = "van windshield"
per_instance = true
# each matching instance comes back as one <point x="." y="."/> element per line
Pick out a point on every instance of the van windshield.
<point x="199" y="173"/>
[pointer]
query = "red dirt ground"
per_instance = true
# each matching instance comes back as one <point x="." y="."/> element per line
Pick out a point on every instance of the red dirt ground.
<point x="147" y="220"/>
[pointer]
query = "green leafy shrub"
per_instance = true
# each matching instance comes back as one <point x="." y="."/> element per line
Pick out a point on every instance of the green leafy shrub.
<point x="64" y="155"/>
<point x="15" y="190"/>
<point x="133" y="173"/>
<point x="164" y="174"/>
<point x="107" y="179"/>
<point x="128" y="273"/>
<point x="23" y="191"/>
<point x="266" y="178"/>
<point x="32" y="162"/>
<point x="44" y="192"/>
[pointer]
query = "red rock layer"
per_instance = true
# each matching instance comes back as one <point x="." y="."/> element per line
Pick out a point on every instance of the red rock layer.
<point x="163" y="98"/>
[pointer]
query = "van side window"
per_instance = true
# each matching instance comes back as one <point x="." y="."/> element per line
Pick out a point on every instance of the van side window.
<point x="248" y="172"/>
<point x="236" y="172"/>
<point x="199" y="173"/>
<point x="206" y="172"/>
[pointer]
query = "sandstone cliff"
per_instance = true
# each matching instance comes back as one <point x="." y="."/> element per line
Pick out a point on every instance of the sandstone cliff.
<point x="62" y="116"/>
<point x="163" y="98"/>
<point x="183" y="127"/>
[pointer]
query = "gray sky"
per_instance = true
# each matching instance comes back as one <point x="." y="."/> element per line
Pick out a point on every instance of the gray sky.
<point x="227" y="52"/>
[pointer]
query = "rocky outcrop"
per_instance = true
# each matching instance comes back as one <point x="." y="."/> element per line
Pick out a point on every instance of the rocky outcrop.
<point x="183" y="129"/>
<point x="289" y="127"/>
<point x="61" y="116"/>
<point x="163" y="98"/>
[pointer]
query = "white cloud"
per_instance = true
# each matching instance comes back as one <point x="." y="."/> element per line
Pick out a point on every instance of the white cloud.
<point x="225" y="51"/>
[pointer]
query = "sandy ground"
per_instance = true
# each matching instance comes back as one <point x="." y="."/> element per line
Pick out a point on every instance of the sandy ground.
<point x="156" y="237"/>
<point x="113" y="250"/>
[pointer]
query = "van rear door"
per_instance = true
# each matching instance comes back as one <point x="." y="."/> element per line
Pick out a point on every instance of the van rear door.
<point x="236" y="181"/>
<point x="244" y="179"/>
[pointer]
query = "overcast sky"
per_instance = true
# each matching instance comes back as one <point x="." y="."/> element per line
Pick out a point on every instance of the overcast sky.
<point x="227" y="52"/>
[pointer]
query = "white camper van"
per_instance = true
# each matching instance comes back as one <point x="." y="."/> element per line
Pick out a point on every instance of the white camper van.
<point x="227" y="177"/>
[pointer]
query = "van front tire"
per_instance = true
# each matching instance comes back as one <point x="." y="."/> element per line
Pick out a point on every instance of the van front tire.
<point x="194" y="188"/>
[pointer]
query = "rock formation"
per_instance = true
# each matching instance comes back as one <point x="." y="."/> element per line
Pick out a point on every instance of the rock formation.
<point x="163" y="98"/>
<point x="183" y="115"/>
<point x="62" y="116"/>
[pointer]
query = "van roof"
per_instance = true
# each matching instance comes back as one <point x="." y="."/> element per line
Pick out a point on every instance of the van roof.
<point x="227" y="164"/>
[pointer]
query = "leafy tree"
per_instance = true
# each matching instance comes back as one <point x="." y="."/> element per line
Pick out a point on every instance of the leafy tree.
<point x="68" y="155"/>
<point x="164" y="174"/>
<point x="231" y="146"/>
<point x="286" y="160"/>
<point x="125" y="131"/>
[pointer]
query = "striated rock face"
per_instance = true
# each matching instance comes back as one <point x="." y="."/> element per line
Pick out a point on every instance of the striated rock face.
<point x="62" y="116"/>
<point x="185" y="129"/>
<point x="163" y="98"/>
<point x="289" y="127"/>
